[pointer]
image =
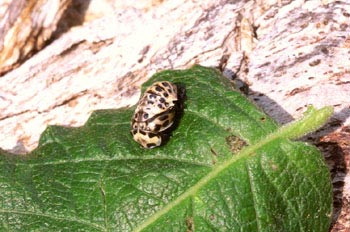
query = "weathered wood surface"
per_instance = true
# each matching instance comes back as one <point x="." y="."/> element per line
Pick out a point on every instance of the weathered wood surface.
<point x="289" y="53"/>
<point x="25" y="27"/>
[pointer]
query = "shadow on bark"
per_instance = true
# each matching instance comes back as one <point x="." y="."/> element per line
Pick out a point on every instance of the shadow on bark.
<point x="73" y="16"/>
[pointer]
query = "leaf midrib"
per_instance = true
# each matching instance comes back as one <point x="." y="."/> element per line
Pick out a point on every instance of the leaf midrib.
<point x="322" y="114"/>
<point x="245" y="152"/>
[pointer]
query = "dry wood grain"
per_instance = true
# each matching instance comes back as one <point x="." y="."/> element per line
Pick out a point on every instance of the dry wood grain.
<point x="25" y="27"/>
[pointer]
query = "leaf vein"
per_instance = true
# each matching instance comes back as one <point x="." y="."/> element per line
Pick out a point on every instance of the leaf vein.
<point x="93" y="225"/>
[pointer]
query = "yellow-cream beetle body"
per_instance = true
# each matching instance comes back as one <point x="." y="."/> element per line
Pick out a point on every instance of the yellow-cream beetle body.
<point x="154" y="113"/>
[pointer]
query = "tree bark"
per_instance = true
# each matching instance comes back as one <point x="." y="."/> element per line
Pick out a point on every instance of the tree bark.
<point x="25" y="28"/>
<point x="287" y="54"/>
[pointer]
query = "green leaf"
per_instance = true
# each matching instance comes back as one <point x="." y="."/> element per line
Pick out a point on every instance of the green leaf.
<point x="226" y="167"/>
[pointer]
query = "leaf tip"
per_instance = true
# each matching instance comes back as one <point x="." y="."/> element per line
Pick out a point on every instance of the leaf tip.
<point x="312" y="120"/>
<point x="325" y="111"/>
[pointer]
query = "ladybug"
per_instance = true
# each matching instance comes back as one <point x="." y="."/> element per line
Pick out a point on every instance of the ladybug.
<point x="154" y="114"/>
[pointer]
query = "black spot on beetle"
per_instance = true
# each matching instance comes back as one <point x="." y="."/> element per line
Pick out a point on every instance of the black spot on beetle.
<point x="165" y="84"/>
<point x="166" y="95"/>
<point x="162" y="100"/>
<point x="149" y="145"/>
<point x="159" y="89"/>
<point x="145" y="115"/>
<point x="166" y="123"/>
<point x="157" y="127"/>
<point x="151" y="135"/>
<point x="163" y="117"/>
<point x="142" y="132"/>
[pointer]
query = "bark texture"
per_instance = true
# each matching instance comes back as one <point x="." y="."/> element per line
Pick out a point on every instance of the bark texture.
<point x="60" y="60"/>
<point x="25" y="27"/>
